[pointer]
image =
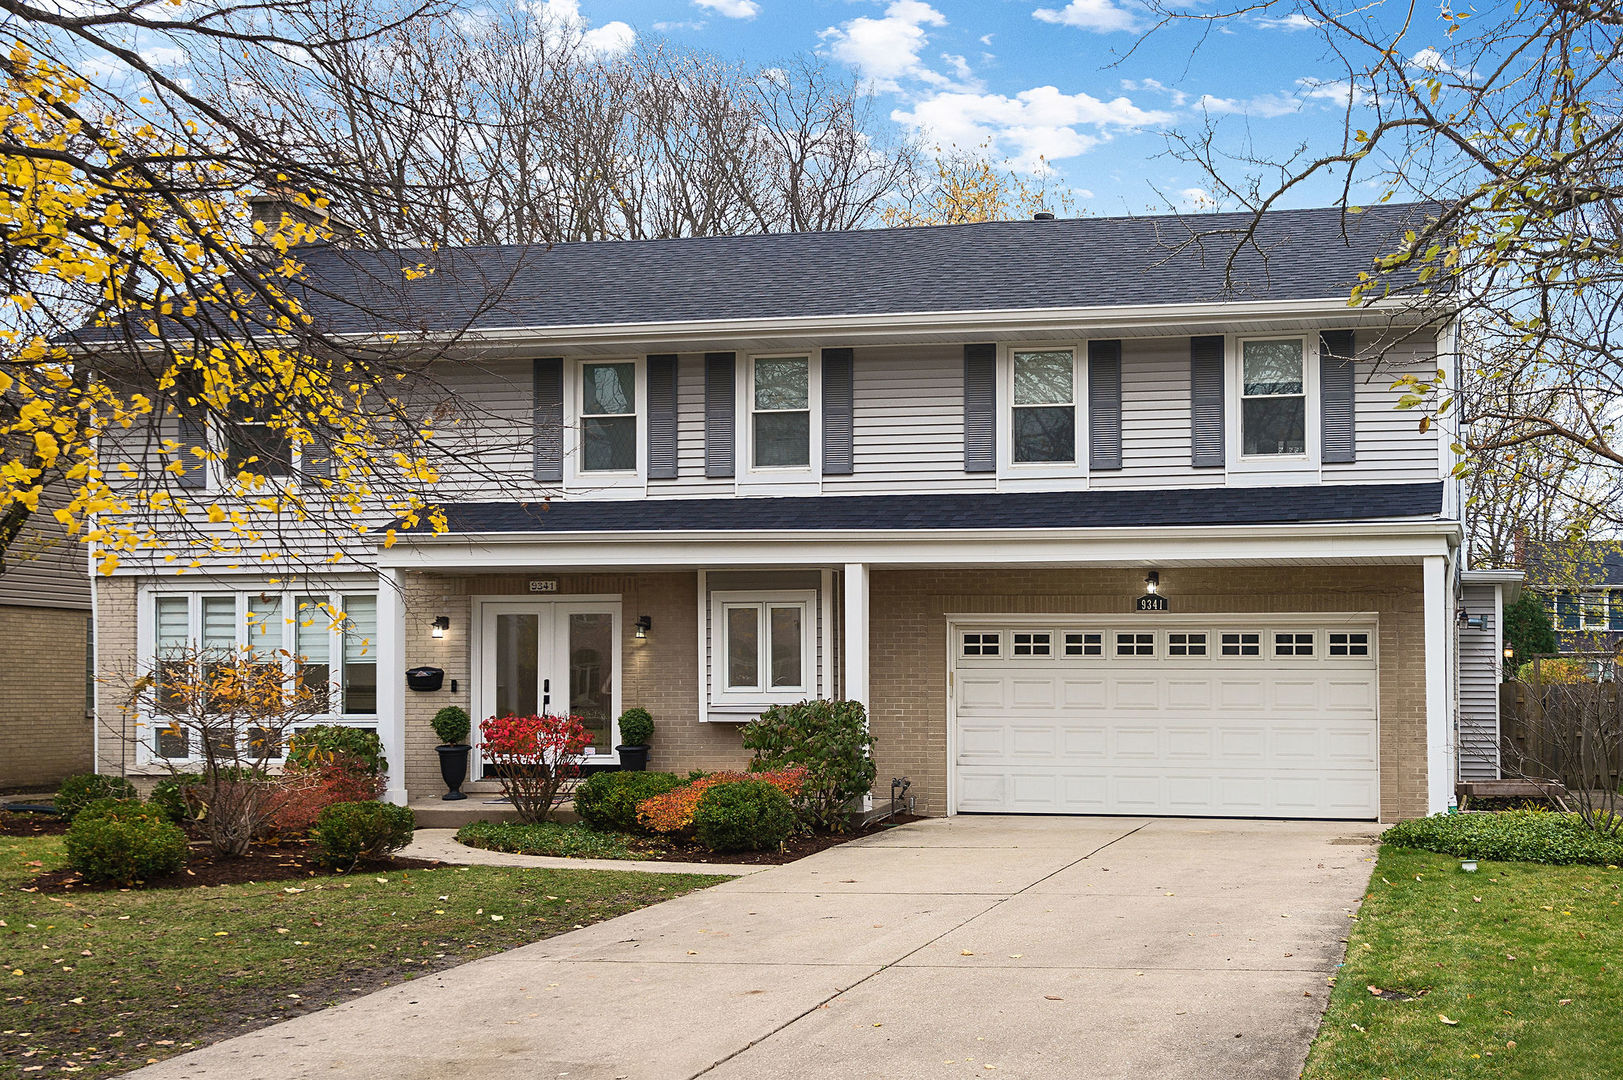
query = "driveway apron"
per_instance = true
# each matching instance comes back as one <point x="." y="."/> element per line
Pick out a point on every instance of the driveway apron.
<point x="1008" y="946"/>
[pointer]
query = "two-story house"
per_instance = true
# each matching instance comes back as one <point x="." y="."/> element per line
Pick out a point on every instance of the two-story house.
<point x="1092" y="521"/>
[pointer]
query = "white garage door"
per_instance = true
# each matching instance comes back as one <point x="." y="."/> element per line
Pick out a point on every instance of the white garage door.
<point x="1223" y="718"/>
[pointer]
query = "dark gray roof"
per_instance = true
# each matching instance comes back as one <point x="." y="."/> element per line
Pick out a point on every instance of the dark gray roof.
<point x="1001" y="265"/>
<point x="1578" y="564"/>
<point x="1005" y="510"/>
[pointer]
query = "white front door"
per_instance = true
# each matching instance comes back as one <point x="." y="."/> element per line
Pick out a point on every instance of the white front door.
<point x="1249" y="716"/>
<point x="556" y="658"/>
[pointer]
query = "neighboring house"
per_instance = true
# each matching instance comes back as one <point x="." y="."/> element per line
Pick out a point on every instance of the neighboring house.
<point x="1088" y="528"/>
<point x="46" y="691"/>
<point x="1484" y="595"/>
<point x="1581" y="584"/>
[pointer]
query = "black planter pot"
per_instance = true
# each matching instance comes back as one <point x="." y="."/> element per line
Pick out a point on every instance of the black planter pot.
<point x="454" y="769"/>
<point x="633" y="758"/>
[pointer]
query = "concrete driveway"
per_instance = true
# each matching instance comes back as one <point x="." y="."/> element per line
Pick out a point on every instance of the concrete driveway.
<point x="1032" y="947"/>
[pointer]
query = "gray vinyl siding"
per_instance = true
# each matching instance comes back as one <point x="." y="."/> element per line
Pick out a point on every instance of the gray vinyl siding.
<point x="690" y="478"/>
<point x="45" y="567"/>
<point x="1391" y="447"/>
<point x="1479" y="689"/>
<point x="1155" y="432"/>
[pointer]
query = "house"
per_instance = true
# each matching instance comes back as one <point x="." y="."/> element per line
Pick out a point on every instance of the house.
<point x="45" y="672"/>
<point x="1092" y="522"/>
<point x="1581" y="584"/>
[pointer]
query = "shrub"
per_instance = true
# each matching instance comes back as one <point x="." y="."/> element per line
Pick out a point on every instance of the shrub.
<point x="1509" y="835"/>
<point x="743" y="815"/>
<point x="325" y="743"/>
<point x="351" y="831"/>
<point x="636" y="727"/>
<point x="1558" y="669"/>
<point x="672" y="812"/>
<point x="451" y="725"/>
<point x="547" y="838"/>
<point x="77" y="792"/>
<point x="169" y="795"/>
<point x="537" y="759"/>
<point x="123" y="841"/>
<point x="311" y="790"/>
<point x="830" y="740"/>
<point x="608" y="800"/>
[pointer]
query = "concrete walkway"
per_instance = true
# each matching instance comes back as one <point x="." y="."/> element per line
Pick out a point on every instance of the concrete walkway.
<point x="441" y="844"/>
<point x="1040" y="947"/>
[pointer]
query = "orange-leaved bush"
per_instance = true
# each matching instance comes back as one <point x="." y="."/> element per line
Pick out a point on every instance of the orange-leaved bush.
<point x="672" y="812"/>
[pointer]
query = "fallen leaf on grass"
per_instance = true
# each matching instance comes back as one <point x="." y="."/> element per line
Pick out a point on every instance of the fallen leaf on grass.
<point x="1446" y="1020"/>
<point x="1564" y="1001"/>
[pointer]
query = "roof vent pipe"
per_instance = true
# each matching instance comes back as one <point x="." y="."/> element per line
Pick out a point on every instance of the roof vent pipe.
<point x="1042" y="215"/>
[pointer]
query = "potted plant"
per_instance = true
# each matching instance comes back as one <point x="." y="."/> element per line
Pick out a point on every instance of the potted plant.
<point x="452" y="725"/>
<point x="636" y="728"/>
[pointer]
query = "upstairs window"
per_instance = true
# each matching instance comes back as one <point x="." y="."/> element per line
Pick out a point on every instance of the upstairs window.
<point x="1043" y="424"/>
<point x="252" y="445"/>
<point x="608" y="417"/>
<point x="780" y="412"/>
<point x="1273" y="398"/>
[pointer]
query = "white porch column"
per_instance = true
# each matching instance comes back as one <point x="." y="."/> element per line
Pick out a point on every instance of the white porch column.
<point x="391" y="645"/>
<point x="1439" y="608"/>
<point x="855" y="651"/>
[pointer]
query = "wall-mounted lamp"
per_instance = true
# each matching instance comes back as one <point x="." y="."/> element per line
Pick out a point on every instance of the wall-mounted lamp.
<point x="644" y="624"/>
<point x="442" y="623"/>
<point x="1153" y="583"/>
<point x="1510" y="653"/>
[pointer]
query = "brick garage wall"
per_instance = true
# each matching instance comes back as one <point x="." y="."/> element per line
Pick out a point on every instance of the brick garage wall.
<point x="115" y="654"/>
<point x="908" y="631"/>
<point x="659" y="673"/>
<point x="44" y="732"/>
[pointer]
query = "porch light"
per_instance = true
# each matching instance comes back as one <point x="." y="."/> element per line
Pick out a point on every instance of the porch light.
<point x="442" y="623"/>
<point x="1510" y="653"/>
<point x="644" y="624"/>
<point x="1153" y="582"/>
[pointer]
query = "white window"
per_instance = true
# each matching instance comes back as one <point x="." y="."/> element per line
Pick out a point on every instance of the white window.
<point x="1083" y="643"/>
<point x="780" y="412"/>
<point x="1135" y="644"/>
<point x="1028" y="643"/>
<point x="1043" y="411"/>
<point x="608" y="417"/>
<point x="763" y="647"/>
<point x="1293" y="643"/>
<point x="326" y="641"/>
<point x="1242" y="643"/>
<point x="1348" y="644"/>
<point x="252" y="445"/>
<point x="1186" y="643"/>
<point x="1593" y="606"/>
<point x="984" y="643"/>
<point x="1273" y="397"/>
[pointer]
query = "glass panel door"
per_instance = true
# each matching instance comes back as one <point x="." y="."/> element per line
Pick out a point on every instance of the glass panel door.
<point x="591" y="675"/>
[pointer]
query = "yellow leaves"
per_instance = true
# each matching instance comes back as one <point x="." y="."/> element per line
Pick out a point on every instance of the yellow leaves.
<point x="107" y="562"/>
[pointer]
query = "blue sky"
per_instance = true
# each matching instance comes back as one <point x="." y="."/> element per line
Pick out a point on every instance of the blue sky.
<point x="1038" y="78"/>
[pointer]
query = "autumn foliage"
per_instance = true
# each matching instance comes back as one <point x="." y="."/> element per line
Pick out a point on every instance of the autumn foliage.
<point x="537" y="758"/>
<point x="672" y="812"/>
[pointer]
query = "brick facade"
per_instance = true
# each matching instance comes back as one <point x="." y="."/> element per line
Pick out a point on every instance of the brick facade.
<point x="45" y="733"/>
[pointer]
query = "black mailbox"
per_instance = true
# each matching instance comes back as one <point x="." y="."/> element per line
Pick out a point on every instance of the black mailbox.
<point x="425" y="678"/>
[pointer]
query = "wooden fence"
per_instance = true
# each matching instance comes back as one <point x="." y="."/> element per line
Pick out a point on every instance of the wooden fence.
<point x="1571" y="732"/>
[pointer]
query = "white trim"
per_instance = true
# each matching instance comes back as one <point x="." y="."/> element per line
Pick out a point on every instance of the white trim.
<point x="618" y="483"/>
<point x="856" y="655"/>
<point x="733" y="700"/>
<point x="391" y="662"/>
<point x="703" y="638"/>
<point x="779" y="479"/>
<point x="1270" y="468"/>
<point x="826" y="683"/>
<point x="1042" y="474"/>
<point x="1438" y="608"/>
<point x="1499" y="673"/>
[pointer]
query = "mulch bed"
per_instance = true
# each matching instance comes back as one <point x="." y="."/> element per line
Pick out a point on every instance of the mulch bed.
<point x="26" y="824"/>
<point x="287" y="861"/>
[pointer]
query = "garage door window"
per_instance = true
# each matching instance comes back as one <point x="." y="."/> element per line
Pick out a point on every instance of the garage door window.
<point x="1033" y="644"/>
<point x="1084" y="644"/>
<point x="1135" y="644"/>
<point x="982" y="644"/>
<point x="1293" y="644"/>
<point x="1187" y="644"/>
<point x="1349" y="644"/>
<point x="1242" y="643"/>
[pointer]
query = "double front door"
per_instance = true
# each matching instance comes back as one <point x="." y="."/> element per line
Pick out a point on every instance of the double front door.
<point x="557" y="657"/>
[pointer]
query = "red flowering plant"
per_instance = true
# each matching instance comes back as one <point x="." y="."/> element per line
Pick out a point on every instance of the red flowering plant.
<point x="537" y="759"/>
<point x="672" y="812"/>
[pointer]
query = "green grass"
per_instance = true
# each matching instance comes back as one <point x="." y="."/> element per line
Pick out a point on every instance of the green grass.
<point x="552" y="838"/>
<point x="1498" y="951"/>
<point x="99" y="983"/>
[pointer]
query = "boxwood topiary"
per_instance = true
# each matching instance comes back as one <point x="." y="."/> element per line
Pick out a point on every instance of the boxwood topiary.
<point x="77" y="792"/>
<point x="452" y="724"/>
<point x="124" y="841"/>
<point x="608" y="800"/>
<point x="1510" y="835"/>
<point x="636" y="727"/>
<point x="351" y="831"/>
<point x="743" y="815"/>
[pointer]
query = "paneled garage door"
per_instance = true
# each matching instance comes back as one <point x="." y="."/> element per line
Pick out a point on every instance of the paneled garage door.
<point x="1217" y="717"/>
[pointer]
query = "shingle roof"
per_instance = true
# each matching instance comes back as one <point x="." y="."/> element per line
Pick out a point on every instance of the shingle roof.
<point x="1579" y="564"/>
<point x="990" y="266"/>
<point x="1003" y="510"/>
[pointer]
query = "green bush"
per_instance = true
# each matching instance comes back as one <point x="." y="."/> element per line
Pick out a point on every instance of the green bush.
<point x="169" y="795"/>
<point x="547" y="838"/>
<point x="78" y="792"/>
<point x="327" y="743"/>
<point x="830" y="740"/>
<point x="451" y="725"/>
<point x="608" y="800"/>
<point x="743" y="815"/>
<point x="1510" y="835"/>
<point x="636" y="727"/>
<point x="351" y="831"/>
<point x="124" y="841"/>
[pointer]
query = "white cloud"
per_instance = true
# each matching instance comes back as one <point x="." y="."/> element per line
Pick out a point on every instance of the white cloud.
<point x="1338" y="91"/>
<point x="1100" y="16"/>
<point x="886" y="50"/>
<point x="1036" y="125"/>
<point x="1176" y="96"/>
<point x="986" y="39"/>
<point x="1196" y="199"/>
<point x="1430" y="60"/>
<point x="1263" y="105"/>
<point x="732" y="9"/>
<point x="610" y="39"/>
<point x="1290" y="23"/>
<point x="606" y="40"/>
<point x="685" y="24"/>
<point x="165" y="56"/>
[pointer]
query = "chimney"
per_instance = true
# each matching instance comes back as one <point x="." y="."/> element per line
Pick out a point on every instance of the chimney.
<point x="1519" y="546"/>
<point x="274" y="202"/>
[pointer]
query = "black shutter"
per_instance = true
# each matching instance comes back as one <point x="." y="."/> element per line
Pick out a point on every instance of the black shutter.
<point x="1206" y="402"/>
<point x="1338" y="431"/>
<point x="194" y="432"/>
<point x="838" y="374"/>
<point x="548" y="379"/>
<point x="1104" y="405"/>
<point x="720" y="405"/>
<point x="315" y="459"/>
<point x="980" y="408"/>
<point x="662" y="417"/>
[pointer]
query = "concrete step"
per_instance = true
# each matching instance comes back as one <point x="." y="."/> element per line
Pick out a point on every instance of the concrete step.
<point x="478" y="806"/>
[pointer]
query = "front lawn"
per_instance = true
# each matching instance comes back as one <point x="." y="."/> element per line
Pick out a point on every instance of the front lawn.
<point x="1525" y="959"/>
<point x="99" y="983"/>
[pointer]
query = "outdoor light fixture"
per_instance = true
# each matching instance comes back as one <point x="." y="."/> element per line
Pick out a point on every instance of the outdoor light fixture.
<point x="1153" y="582"/>
<point x="442" y="623"/>
<point x="644" y="624"/>
<point x="1510" y="653"/>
